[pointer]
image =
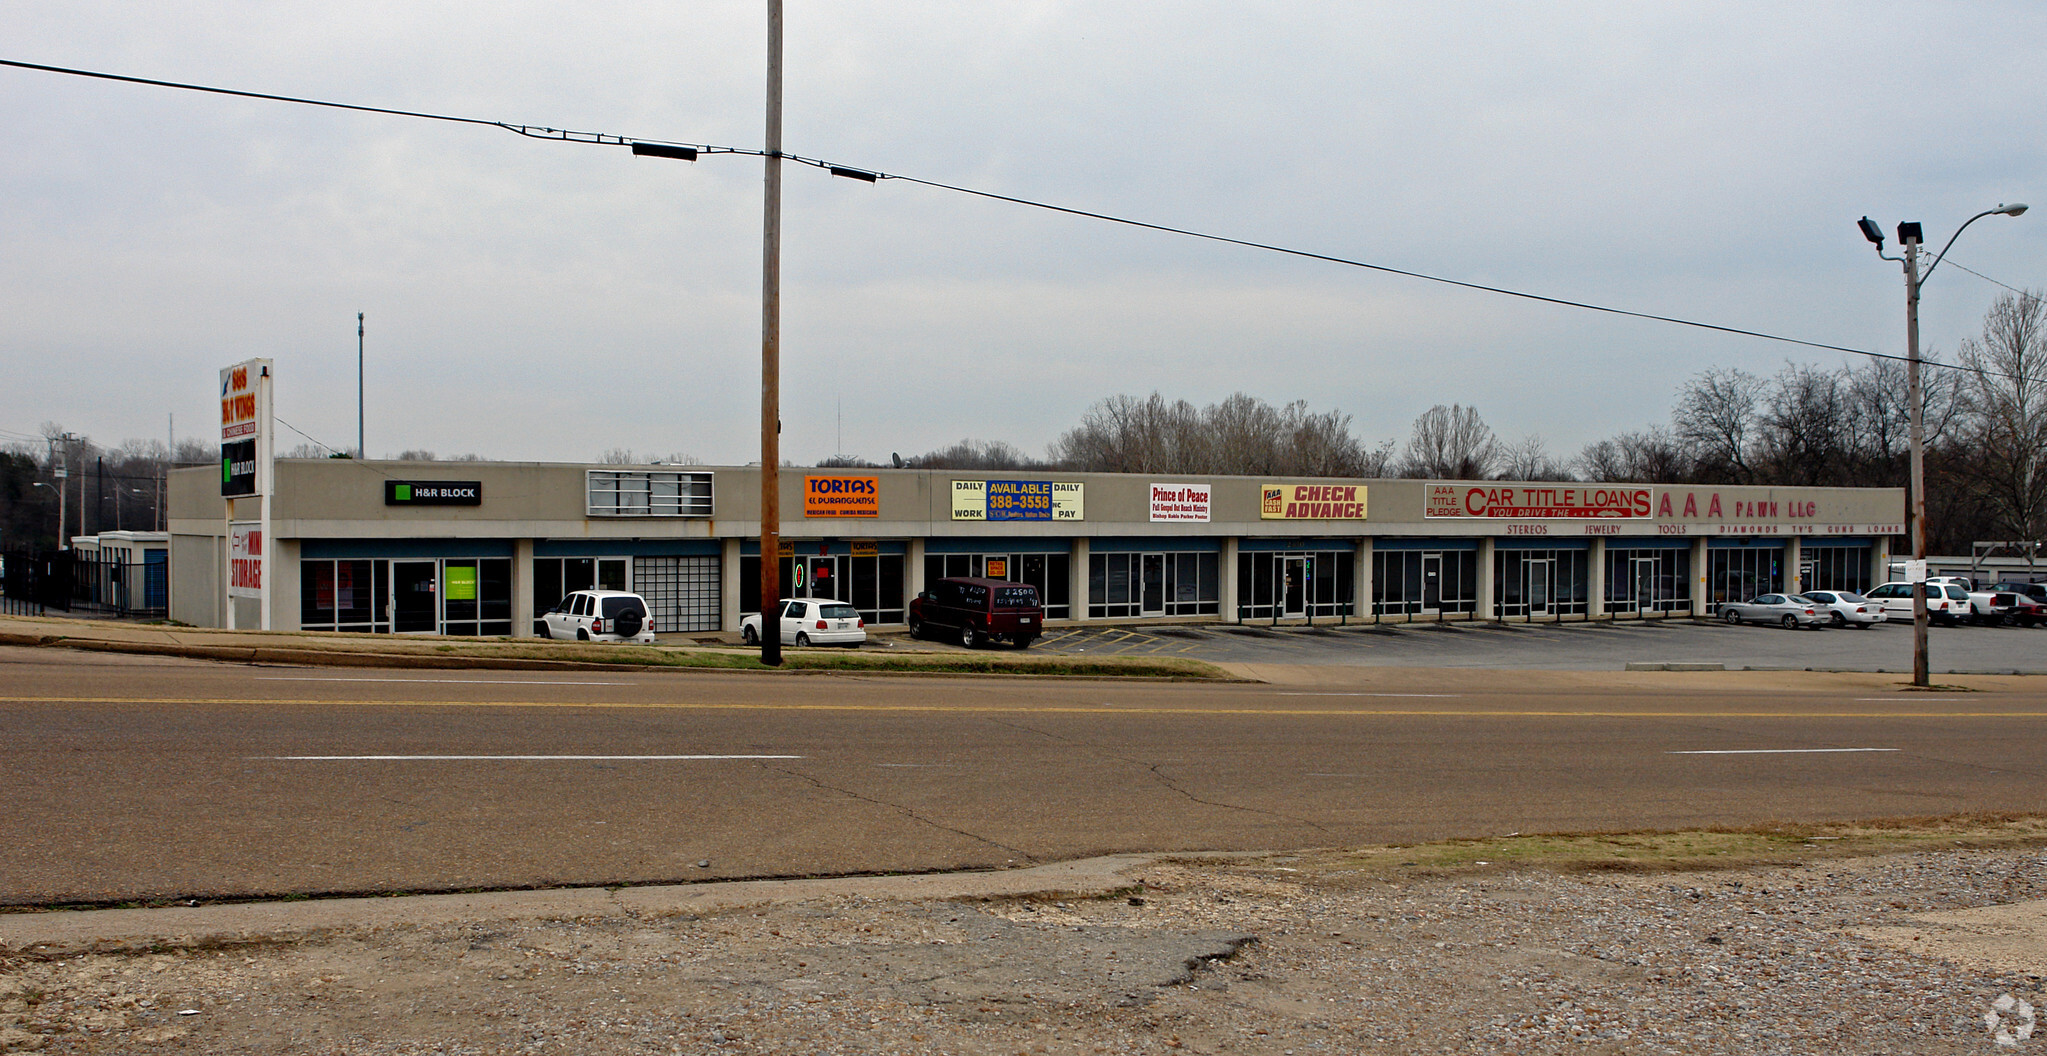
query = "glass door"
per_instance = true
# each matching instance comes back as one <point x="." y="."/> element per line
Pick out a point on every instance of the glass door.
<point x="415" y="607"/>
<point x="1154" y="580"/>
<point x="1540" y="573"/>
<point x="1432" y="584"/>
<point x="1646" y="594"/>
<point x="1294" y="574"/>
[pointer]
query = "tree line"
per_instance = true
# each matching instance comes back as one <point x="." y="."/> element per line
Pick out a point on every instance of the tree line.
<point x="1984" y="417"/>
<point x="1984" y="414"/>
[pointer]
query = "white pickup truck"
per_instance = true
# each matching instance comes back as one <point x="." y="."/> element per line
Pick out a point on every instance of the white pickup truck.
<point x="1983" y="607"/>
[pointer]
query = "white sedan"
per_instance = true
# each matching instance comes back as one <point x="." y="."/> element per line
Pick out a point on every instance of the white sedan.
<point x="811" y="621"/>
<point x="1846" y="608"/>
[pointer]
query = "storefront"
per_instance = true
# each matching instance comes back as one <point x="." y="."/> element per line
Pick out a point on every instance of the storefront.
<point x="482" y="548"/>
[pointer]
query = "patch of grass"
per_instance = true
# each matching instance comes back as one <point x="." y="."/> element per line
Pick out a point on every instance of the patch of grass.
<point x="1696" y="849"/>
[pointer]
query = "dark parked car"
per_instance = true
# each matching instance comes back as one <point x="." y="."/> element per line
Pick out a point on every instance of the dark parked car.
<point x="979" y="611"/>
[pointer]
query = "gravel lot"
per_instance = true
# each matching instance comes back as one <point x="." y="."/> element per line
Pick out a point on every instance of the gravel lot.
<point x="1277" y="955"/>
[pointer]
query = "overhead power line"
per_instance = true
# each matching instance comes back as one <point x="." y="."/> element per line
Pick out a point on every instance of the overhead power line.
<point x="689" y="151"/>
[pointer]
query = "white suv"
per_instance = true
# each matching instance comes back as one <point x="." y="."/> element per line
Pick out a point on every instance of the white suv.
<point x="599" y="616"/>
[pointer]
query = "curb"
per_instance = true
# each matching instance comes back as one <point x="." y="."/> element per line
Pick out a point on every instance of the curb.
<point x="71" y="932"/>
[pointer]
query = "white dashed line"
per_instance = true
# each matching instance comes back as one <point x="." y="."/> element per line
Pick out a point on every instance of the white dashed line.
<point x="1783" y="751"/>
<point x="1430" y="696"/>
<point x="508" y="758"/>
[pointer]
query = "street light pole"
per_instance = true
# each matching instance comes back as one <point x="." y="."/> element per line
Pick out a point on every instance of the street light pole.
<point x="771" y="356"/>
<point x="1909" y="236"/>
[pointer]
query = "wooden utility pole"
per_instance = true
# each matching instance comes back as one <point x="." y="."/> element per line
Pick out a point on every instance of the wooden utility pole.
<point x="771" y="356"/>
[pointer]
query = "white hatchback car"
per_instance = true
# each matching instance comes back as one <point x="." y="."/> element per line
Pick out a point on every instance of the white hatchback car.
<point x="811" y="621"/>
<point x="599" y="616"/>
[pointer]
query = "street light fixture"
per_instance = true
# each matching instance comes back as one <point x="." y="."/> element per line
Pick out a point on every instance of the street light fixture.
<point x="1909" y="237"/>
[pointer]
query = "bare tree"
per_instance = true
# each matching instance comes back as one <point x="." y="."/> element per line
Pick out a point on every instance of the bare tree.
<point x="1717" y="417"/>
<point x="975" y="454"/>
<point x="1451" y="443"/>
<point x="2006" y="394"/>
<point x="1649" y="456"/>
<point x="1530" y="460"/>
<point x="1805" y="427"/>
<point x="1241" y="435"/>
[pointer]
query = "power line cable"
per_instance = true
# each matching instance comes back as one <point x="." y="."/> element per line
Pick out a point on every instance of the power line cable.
<point x="689" y="152"/>
<point x="1986" y="278"/>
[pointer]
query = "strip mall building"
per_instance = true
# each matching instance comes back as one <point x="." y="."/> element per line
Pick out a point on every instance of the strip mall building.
<point x="478" y="548"/>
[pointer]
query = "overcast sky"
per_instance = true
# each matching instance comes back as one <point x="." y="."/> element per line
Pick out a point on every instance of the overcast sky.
<point x="535" y="300"/>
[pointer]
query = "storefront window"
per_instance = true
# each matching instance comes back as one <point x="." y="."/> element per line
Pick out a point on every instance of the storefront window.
<point x="1424" y="582"/>
<point x="1050" y="573"/>
<point x="1649" y="581"/>
<point x="1836" y="567"/>
<point x="1539" y="583"/>
<point x="1738" y="573"/>
<point x="1293" y="584"/>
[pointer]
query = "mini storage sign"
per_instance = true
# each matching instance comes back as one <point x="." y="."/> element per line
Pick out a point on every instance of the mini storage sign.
<point x="433" y="493"/>
<point x="1017" y="500"/>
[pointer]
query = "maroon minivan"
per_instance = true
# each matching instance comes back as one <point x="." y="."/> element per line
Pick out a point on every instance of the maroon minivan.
<point x="979" y="610"/>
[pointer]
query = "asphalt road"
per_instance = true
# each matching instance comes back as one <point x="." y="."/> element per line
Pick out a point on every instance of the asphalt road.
<point x="1588" y="646"/>
<point x="134" y="777"/>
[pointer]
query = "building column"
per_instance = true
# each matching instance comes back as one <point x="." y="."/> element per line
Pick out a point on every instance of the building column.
<point x="729" y="576"/>
<point x="1361" y="578"/>
<point x="1595" y="579"/>
<point x="1794" y="566"/>
<point x="1486" y="603"/>
<point x="1700" y="604"/>
<point x="1880" y="561"/>
<point x="522" y="588"/>
<point x="284" y="585"/>
<point x="1226" y="592"/>
<point x="1076" y="575"/>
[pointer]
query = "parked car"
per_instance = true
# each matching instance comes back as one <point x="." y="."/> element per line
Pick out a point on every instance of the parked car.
<point x="2035" y="591"/>
<point x="811" y="621"/>
<point x="2025" y="610"/>
<point x="599" y="616"/>
<point x="1983" y="605"/>
<point x="1945" y="602"/>
<point x="1790" y="610"/>
<point x="979" y="611"/>
<point x="1844" y="608"/>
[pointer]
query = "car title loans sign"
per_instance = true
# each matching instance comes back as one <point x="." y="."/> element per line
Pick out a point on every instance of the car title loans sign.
<point x="1542" y="502"/>
<point x="1179" y="502"/>
<point x="842" y="496"/>
<point x="1311" y="502"/>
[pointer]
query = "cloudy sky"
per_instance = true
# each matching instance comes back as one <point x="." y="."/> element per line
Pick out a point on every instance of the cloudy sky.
<point x="537" y="300"/>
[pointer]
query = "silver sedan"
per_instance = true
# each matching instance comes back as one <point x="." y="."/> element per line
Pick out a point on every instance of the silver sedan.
<point x="1788" y="610"/>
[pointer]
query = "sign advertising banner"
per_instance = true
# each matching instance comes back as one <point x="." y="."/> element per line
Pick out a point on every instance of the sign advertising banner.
<point x="240" y="414"/>
<point x="433" y="493"/>
<point x="460" y="583"/>
<point x="1180" y="502"/>
<point x="1543" y="502"/>
<point x="842" y="496"/>
<point x="1311" y="502"/>
<point x="1017" y="500"/>
<point x="245" y="559"/>
<point x="238" y="468"/>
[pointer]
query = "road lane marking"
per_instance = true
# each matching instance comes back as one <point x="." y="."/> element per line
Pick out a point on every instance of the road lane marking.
<point x="444" y="681"/>
<point x="1782" y="751"/>
<point x="508" y="758"/>
<point x="1053" y="709"/>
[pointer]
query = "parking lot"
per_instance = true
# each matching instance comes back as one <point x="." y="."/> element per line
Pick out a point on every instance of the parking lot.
<point x="1597" y="646"/>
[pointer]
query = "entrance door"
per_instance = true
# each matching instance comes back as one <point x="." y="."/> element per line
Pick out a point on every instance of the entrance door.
<point x="1539" y="575"/>
<point x="413" y="601"/>
<point x="1646" y="592"/>
<point x="1432" y="584"/>
<point x="1154" y="585"/>
<point x="813" y="577"/>
<point x="1294" y="574"/>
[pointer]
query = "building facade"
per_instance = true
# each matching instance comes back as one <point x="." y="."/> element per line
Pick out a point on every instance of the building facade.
<point x="479" y="548"/>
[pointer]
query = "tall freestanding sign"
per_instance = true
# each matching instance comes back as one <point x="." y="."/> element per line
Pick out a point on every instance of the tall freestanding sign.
<point x="246" y="463"/>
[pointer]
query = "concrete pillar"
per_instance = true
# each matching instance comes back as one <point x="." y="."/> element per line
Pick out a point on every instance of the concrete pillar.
<point x="913" y="571"/>
<point x="1226" y="595"/>
<point x="284" y="585"/>
<point x="522" y="588"/>
<point x="1794" y="566"/>
<point x="1880" y="561"/>
<point x="1076" y="572"/>
<point x="1361" y="577"/>
<point x="1595" y="579"/>
<point x="1487" y="608"/>
<point x="729" y="577"/>
<point x="1701" y="604"/>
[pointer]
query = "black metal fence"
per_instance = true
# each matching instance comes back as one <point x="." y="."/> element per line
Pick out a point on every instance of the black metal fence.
<point x="67" y="581"/>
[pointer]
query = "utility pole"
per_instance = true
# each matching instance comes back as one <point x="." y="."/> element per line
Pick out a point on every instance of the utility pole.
<point x="359" y="452"/>
<point x="771" y="356"/>
<point x="60" y="473"/>
<point x="1908" y="235"/>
